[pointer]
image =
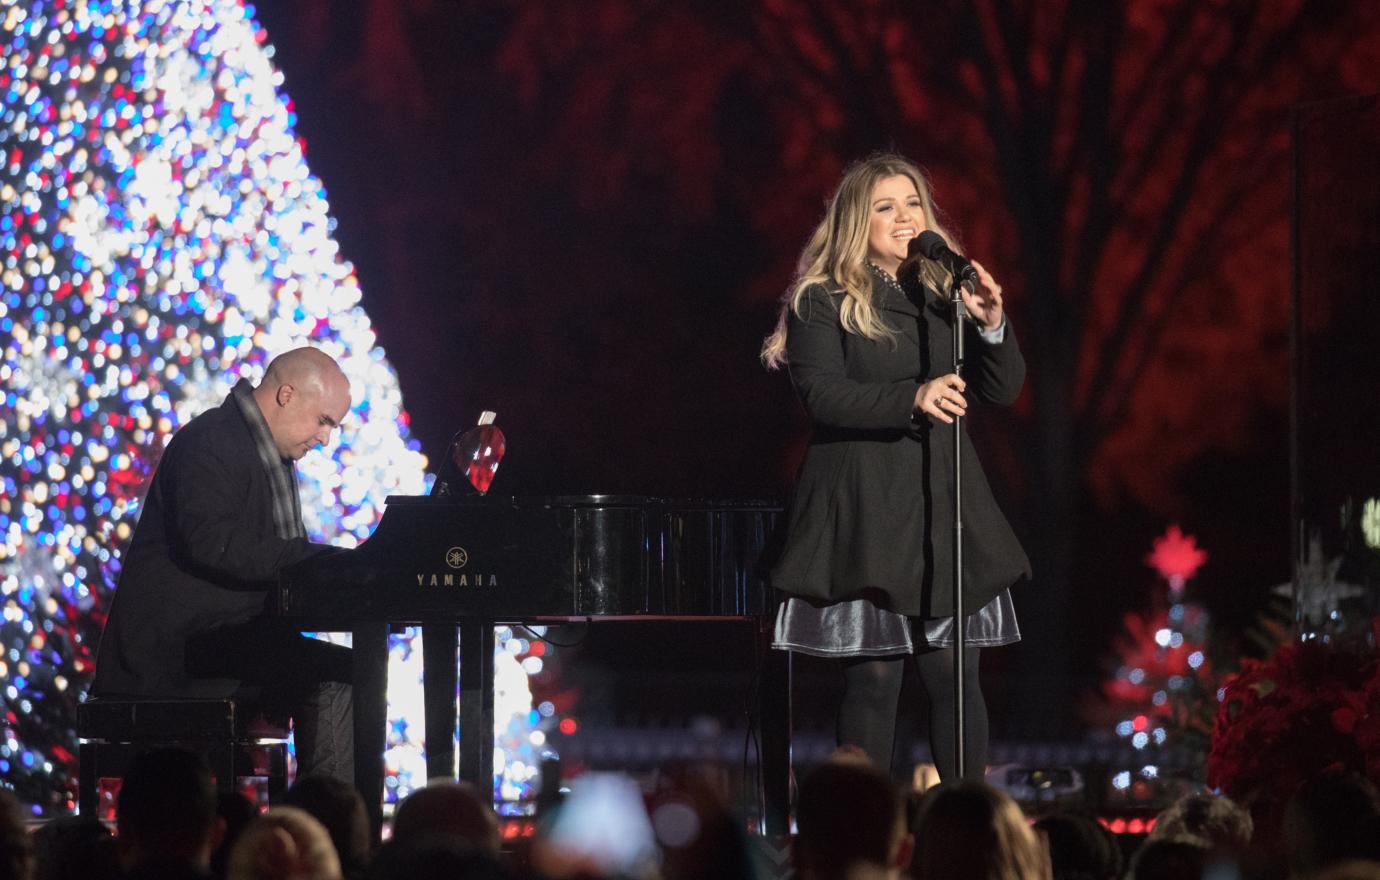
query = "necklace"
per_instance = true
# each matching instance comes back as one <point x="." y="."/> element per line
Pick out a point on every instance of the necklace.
<point x="887" y="277"/>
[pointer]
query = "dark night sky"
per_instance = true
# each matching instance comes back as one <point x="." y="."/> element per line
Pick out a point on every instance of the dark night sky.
<point x="580" y="214"/>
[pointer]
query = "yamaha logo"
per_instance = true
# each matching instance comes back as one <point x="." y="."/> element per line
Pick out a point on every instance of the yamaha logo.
<point x="456" y="558"/>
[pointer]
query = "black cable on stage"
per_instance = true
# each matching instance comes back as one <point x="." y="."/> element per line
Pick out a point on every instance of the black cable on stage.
<point x="541" y="638"/>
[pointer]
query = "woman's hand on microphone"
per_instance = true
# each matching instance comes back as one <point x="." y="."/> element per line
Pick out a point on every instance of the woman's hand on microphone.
<point x="942" y="398"/>
<point x="984" y="304"/>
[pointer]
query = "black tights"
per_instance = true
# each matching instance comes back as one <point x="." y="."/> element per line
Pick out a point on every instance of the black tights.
<point x="872" y="688"/>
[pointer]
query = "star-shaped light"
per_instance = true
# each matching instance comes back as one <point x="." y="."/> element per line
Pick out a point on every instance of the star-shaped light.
<point x="1176" y="556"/>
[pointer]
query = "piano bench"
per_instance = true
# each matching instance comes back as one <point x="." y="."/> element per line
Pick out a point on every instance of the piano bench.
<point x="111" y="732"/>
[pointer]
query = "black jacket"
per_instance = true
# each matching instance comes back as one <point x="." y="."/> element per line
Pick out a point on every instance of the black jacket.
<point x="873" y="506"/>
<point x="204" y="555"/>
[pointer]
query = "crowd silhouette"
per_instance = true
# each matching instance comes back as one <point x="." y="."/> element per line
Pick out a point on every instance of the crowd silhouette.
<point x="852" y="823"/>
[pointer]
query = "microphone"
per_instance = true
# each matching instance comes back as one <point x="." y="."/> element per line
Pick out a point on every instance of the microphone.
<point x="930" y="245"/>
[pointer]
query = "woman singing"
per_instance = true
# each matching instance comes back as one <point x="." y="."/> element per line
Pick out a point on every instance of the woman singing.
<point x="868" y="556"/>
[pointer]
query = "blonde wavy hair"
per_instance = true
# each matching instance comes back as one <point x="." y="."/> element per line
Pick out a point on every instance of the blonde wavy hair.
<point x="836" y="254"/>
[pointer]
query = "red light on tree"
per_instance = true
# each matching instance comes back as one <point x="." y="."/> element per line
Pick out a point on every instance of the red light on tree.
<point x="1176" y="556"/>
<point x="568" y="726"/>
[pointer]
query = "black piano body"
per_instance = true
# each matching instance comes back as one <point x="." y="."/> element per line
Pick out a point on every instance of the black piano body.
<point x="519" y="559"/>
<point x="460" y="565"/>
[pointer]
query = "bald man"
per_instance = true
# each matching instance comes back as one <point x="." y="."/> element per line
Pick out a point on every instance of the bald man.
<point x="221" y="518"/>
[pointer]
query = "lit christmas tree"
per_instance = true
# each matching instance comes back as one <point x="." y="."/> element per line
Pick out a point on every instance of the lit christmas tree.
<point x="1163" y="694"/>
<point x="161" y="237"/>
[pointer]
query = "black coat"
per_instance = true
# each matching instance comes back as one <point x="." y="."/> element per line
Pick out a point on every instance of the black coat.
<point x="204" y="555"/>
<point x="873" y="506"/>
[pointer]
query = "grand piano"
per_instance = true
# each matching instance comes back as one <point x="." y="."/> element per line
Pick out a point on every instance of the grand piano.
<point x="458" y="565"/>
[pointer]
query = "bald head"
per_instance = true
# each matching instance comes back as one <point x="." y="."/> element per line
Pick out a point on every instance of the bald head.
<point x="303" y="396"/>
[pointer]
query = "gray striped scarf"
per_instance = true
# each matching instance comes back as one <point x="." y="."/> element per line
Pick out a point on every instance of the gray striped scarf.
<point x="282" y="474"/>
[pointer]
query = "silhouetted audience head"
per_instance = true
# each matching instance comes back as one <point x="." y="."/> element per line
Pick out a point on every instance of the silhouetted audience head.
<point x="451" y="808"/>
<point x="1169" y="860"/>
<point x="1332" y="818"/>
<point x="1080" y="848"/>
<point x="971" y="830"/>
<point x="284" y="844"/>
<point x="75" y="848"/>
<point x="434" y="856"/>
<point x="849" y="816"/>
<point x="1352" y="869"/>
<point x="339" y="807"/>
<point x="16" y="848"/>
<point x="1215" y="821"/>
<point x="236" y="812"/>
<point x="697" y="833"/>
<point x="166" y="814"/>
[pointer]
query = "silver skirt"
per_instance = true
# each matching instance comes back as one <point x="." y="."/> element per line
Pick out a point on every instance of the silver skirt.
<point x="859" y="628"/>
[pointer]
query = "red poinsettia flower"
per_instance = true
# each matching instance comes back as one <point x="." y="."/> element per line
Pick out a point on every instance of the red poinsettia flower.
<point x="1308" y="708"/>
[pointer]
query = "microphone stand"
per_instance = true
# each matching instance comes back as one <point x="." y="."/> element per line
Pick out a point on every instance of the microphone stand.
<point x="960" y="312"/>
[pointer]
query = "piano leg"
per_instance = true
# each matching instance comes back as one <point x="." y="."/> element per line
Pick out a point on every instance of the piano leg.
<point x="370" y="642"/>
<point x="774" y="714"/>
<point x="477" y="704"/>
<point x="438" y="684"/>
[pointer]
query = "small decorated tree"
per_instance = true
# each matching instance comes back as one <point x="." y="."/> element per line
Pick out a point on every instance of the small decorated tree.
<point x="1161" y="697"/>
